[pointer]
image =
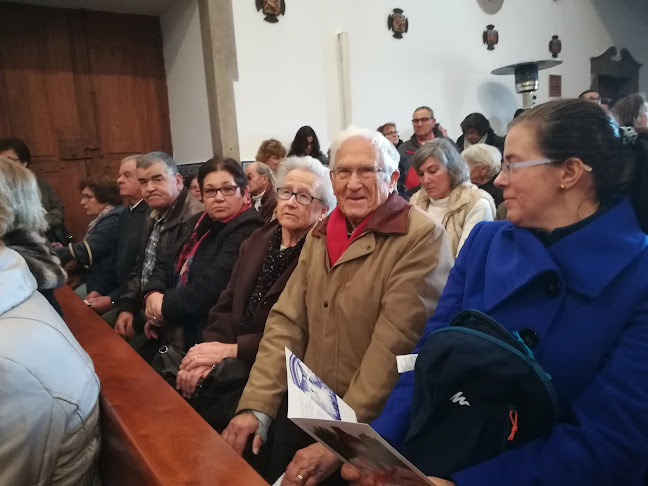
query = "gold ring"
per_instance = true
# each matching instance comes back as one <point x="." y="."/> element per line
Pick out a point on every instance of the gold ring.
<point x="300" y="477"/>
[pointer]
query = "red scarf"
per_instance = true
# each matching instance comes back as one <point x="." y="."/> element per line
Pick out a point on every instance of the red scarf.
<point x="189" y="249"/>
<point x="337" y="240"/>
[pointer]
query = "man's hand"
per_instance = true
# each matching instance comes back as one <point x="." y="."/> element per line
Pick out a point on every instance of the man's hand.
<point x="154" y="306"/>
<point x="99" y="304"/>
<point x="124" y="325"/>
<point x="239" y="429"/>
<point x="310" y="466"/>
<point x="208" y="354"/>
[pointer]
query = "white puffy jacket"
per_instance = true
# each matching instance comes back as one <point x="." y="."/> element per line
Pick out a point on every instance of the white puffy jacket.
<point x="49" y="408"/>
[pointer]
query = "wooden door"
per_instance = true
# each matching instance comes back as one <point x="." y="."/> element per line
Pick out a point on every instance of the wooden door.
<point x="83" y="89"/>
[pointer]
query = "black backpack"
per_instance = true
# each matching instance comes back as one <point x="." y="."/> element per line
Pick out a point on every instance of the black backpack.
<point x="478" y="392"/>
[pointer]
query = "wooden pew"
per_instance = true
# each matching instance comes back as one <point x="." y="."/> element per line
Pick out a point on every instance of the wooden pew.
<point x="151" y="435"/>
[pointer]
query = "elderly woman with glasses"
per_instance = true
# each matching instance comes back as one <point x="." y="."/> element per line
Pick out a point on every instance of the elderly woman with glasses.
<point x="266" y="261"/>
<point x="187" y="282"/>
<point x="447" y="194"/>
<point x="367" y="278"/>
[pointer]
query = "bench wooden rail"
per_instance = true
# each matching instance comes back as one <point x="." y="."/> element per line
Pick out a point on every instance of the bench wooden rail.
<point x="151" y="435"/>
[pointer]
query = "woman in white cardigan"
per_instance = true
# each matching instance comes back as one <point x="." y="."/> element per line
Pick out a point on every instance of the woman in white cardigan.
<point x="447" y="194"/>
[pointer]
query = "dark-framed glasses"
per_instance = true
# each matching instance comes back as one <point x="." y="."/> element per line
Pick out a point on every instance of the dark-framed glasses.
<point x="211" y="192"/>
<point x="390" y="133"/>
<point x="365" y="173"/>
<point x="301" y="197"/>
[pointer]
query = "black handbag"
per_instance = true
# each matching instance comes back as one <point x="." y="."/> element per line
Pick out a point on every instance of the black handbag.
<point x="217" y="395"/>
<point x="167" y="363"/>
<point x="59" y="234"/>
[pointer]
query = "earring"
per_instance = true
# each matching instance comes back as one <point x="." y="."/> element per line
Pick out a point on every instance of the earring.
<point x="562" y="187"/>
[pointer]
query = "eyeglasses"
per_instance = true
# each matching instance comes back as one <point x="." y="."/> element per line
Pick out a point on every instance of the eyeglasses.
<point x="507" y="167"/>
<point x="392" y="132"/>
<point x="211" y="192"/>
<point x="86" y="197"/>
<point x="365" y="173"/>
<point x="416" y="121"/>
<point x="301" y="197"/>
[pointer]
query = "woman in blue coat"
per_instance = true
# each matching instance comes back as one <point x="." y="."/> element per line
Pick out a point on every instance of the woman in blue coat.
<point x="569" y="271"/>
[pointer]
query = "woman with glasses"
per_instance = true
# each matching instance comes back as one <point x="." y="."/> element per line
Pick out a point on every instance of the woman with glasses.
<point x="390" y="132"/>
<point x="569" y="273"/>
<point x="98" y="250"/>
<point x="368" y="277"/>
<point x="187" y="282"/>
<point x="307" y="143"/>
<point x="266" y="261"/>
<point x="447" y="195"/>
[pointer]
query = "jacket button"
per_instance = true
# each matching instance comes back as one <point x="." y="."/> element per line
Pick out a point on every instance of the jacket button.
<point x="530" y="337"/>
<point x="325" y="304"/>
<point x="553" y="286"/>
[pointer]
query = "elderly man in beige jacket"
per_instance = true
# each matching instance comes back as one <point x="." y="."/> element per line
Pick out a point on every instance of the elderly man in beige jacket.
<point x="368" y="278"/>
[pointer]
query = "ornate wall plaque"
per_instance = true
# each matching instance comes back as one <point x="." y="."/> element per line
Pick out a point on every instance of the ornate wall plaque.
<point x="555" y="46"/>
<point x="490" y="37"/>
<point x="272" y="9"/>
<point x="555" y="85"/>
<point x="397" y="22"/>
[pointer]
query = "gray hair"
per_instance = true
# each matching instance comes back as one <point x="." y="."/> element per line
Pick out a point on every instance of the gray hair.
<point x="263" y="169"/>
<point x="484" y="155"/>
<point x="386" y="154"/>
<point x="20" y="204"/>
<point x="426" y="108"/>
<point x="134" y="157"/>
<point x="314" y="166"/>
<point x="446" y="153"/>
<point x="147" y="160"/>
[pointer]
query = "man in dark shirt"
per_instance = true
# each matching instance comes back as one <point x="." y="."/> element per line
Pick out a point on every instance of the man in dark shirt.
<point x="132" y="225"/>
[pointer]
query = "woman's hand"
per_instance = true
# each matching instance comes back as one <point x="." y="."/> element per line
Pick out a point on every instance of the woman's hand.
<point x="186" y="381"/>
<point x="153" y="309"/>
<point x="310" y="466"/>
<point x="208" y="354"/>
<point x="152" y="328"/>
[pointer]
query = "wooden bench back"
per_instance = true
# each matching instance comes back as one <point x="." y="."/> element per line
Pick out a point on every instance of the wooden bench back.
<point x="150" y="434"/>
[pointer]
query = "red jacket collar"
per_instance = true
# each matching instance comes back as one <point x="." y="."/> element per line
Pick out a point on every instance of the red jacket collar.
<point x="391" y="217"/>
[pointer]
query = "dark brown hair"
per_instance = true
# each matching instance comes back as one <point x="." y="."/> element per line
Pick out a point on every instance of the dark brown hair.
<point x="216" y="164"/>
<point x="106" y="190"/>
<point x="18" y="146"/>
<point x="581" y="129"/>
<point x="628" y="108"/>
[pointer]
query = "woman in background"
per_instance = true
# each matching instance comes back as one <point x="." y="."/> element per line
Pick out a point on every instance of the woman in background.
<point x="307" y="143"/>
<point x="98" y="250"/>
<point x="447" y="195"/>
<point x="477" y="129"/>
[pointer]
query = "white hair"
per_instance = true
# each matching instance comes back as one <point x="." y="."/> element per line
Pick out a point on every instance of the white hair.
<point x="309" y="164"/>
<point x="20" y="205"/>
<point x="386" y="154"/>
<point x="483" y="155"/>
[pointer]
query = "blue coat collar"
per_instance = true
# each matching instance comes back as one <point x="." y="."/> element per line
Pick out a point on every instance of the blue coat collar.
<point x="587" y="260"/>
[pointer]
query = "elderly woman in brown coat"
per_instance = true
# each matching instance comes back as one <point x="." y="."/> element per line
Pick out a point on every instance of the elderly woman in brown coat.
<point x="266" y="261"/>
<point x="369" y="276"/>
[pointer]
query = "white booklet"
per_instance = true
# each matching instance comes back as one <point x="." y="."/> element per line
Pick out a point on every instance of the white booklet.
<point x="324" y="416"/>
